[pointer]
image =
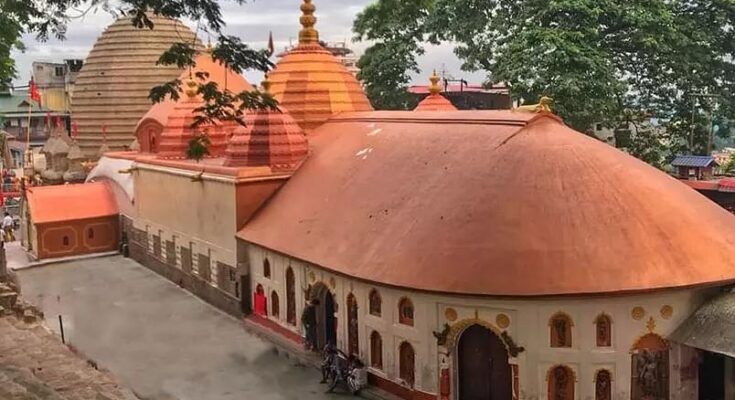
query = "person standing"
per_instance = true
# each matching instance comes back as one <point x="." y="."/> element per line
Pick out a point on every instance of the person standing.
<point x="308" y="321"/>
<point x="8" y="228"/>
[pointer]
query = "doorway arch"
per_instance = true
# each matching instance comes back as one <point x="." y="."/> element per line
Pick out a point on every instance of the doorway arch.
<point x="482" y="366"/>
<point x="326" y="324"/>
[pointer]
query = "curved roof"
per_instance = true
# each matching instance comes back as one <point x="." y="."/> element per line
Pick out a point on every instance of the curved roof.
<point x="492" y="203"/>
<point x="224" y="77"/>
<point x="112" y="87"/>
<point x="311" y="83"/>
<point x="435" y="102"/>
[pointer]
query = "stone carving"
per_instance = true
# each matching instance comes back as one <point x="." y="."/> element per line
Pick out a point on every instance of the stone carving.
<point x="638" y="313"/>
<point x="513" y="348"/>
<point x="450" y="314"/>
<point x="502" y="320"/>
<point x="667" y="311"/>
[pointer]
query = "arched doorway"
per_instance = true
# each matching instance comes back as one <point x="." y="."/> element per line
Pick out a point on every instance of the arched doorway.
<point x="353" y="340"/>
<point x="483" y="369"/>
<point x="290" y="297"/>
<point x="326" y="325"/>
<point x="650" y="368"/>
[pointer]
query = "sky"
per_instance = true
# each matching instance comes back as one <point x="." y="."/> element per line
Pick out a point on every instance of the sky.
<point x="251" y="22"/>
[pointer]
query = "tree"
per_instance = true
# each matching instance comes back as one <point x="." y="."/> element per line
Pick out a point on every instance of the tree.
<point x="595" y="58"/>
<point x="51" y="17"/>
<point x="198" y="147"/>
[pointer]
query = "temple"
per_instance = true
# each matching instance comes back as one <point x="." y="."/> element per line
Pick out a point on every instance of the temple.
<point x="461" y="254"/>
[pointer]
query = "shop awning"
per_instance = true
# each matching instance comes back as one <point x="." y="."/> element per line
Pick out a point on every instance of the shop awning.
<point x="711" y="327"/>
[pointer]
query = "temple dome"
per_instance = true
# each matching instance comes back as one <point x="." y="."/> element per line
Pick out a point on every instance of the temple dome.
<point x="435" y="101"/>
<point x="150" y="128"/>
<point x="311" y="83"/>
<point x="113" y="85"/>
<point x="269" y="138"/>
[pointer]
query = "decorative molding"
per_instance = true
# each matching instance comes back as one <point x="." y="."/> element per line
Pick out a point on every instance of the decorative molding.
<point x="450" y="314"/>
<point x="563" y="315"/>
<point x="513" y="349"/>
<point x="441" y="337"/>
<point x="651" y="325"/>
<point x="638" y="313"/>
<point x="667" y="311"/>
<point x="502" y="320"/>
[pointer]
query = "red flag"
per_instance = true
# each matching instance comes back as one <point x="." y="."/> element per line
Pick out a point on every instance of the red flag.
<point x="74" y="130"/>
<point x="271" y="48"/>
<point x="33" y="92"/>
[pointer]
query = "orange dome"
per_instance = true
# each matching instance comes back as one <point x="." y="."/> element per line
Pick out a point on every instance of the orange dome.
<point x="270" y="138"/>
<point x="178" y="129"/>
<point x="151" y="126"/>
<point x="435" y="101"/>
<point x="311" y="83"/>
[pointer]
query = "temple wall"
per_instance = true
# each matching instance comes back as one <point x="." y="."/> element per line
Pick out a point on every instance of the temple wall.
<point x="632" y="316"/>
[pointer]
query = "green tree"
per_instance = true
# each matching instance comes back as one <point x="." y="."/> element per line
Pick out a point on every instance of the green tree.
<point x="51" y="18"/>
<point x="198" y="147"/>
<point x="595" y="58"/>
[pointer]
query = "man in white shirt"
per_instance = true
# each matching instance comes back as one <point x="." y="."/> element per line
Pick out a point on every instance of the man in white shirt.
<point x="8" y="228"/>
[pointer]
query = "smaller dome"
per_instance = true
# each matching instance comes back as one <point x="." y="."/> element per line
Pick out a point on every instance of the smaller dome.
<point x="435" y="101"/>
<point x="270" y="138"/>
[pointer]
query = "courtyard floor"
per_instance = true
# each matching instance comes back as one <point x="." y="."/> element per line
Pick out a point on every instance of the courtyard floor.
<point x="158" y="339"/>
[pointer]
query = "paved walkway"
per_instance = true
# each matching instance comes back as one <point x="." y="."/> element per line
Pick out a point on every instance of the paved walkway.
<point x="158" y="339"/>
<point x="35" y="365"/>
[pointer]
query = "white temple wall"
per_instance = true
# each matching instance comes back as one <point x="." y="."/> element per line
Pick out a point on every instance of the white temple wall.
<point x="528" y="327"/>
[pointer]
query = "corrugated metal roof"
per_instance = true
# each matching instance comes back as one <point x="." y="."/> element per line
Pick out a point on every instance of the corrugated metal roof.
<point x="711" y="327"/>
<point x="693" y="161"/>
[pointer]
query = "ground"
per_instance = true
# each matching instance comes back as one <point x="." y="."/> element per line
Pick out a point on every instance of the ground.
<point x="158" y="339"/>
<point x="35" y="365"/>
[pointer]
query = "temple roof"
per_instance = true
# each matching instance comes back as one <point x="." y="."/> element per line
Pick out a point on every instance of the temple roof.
<point x="57" y="203"/>
<point x="112" y="87"/>
<point x="491" y="203"/>
<point x="435" y="101"/>
<point x="311" y="83"/>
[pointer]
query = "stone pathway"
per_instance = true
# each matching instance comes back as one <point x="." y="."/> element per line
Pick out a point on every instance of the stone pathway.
<point x="35" y="365"/>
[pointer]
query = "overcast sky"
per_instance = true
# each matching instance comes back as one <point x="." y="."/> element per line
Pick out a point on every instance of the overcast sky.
<point x="251" y="22"/>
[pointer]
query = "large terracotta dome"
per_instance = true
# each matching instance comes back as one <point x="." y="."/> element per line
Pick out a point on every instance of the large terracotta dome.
<point x="112" y="87"/>
<point x="492" y="203"/>
<point x="311" y="83"/>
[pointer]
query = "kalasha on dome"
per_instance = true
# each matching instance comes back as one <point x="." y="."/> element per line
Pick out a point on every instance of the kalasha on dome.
<point x="435" y="101"/>
<point x="311" y="83"/>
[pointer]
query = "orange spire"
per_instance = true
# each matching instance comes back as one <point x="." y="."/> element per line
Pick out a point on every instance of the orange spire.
<point x="308" y="35"/>
<point x="435" y="101"/>
<point x="266" y="84"/>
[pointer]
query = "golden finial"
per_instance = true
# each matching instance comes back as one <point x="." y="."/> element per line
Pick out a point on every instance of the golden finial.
<point x="434" y="87"/>
<point x="266" y="84"/>
<point x="308" y="35"/>
<point x="544" y="105"/>
<point x="191" y="87"/>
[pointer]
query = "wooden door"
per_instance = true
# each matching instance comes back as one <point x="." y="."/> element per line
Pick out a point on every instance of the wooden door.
<point x="484" y="372"/>
<point x="407" y="363"/>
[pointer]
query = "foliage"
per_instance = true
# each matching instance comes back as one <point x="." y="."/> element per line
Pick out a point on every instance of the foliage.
<point x="595" y="58"/>
<point x="51" y="17"/>
<point x="198" y="147"/>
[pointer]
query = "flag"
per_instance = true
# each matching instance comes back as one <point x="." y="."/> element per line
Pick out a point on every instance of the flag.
<point x="33" y="92"/>
<point x="271" y="49"/>
<point x="74" y="130"/>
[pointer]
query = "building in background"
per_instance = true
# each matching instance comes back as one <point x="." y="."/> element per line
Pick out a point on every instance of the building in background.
<point x="55" y="82"/>
<point x="466" y="96"/>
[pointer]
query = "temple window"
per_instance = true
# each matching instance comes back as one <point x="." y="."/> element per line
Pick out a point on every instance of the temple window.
<point x="376" y="350"/>
<point x="560" y="383"/>
<point x="603" y="330"/>
<point x="266" y="268"/>
<point x="353" y="342"/>
<point x="560" y="327"/>
<point x="375" y="303"/>
<point x="65" y="240"/>
<point x="406" y="363"/>
<point x="603" y="385"/>
<point x="274" y="304"/>
<point x="90" y="233"/>
<point x="405" y="311"/>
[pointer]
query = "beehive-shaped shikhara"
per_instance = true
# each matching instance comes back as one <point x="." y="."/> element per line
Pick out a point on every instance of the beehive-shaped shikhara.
<point x="112" y="87"/>
<point x="269" y="138"/>
<point x="311" y="83"/>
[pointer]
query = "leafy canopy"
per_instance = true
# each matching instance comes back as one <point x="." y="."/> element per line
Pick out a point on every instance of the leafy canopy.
<point x="602" y="61"/>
